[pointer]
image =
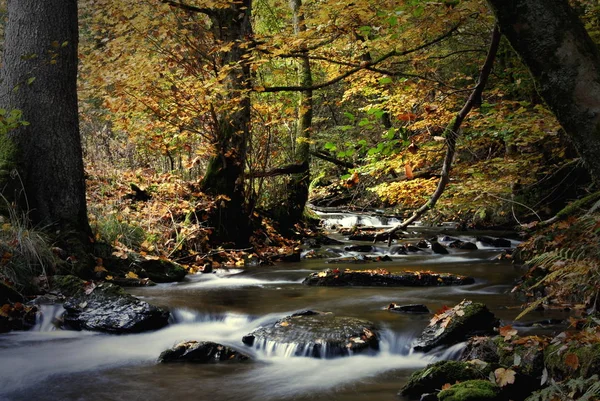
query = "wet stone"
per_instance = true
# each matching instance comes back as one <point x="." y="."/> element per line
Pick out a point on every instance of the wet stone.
<point x="316" y="334"/>
<point x="458" y="244"/>
<point x="411" y="308"/>
<point x="382" y="278"/>
<point x="438" y="248"/>
<point x="456" y="324"/>
<point x="201" y="352"/>
<point x="497" y="242"/>
<point x="108" y="308"/>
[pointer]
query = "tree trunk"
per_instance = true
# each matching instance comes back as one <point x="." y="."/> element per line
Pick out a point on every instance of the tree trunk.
<point x="565" y="64"/>
<point x="225" y="172"/>
<point x="297" y="188"/>
<point x="39" y="77"/>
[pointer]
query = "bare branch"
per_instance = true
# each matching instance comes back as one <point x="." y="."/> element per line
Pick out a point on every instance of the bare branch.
<point x="363" y="66"/>
<point x="451" y="134"/>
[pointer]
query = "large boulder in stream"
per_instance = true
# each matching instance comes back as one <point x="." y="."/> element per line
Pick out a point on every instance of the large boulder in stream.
<point x="383" y="278"/>
<point x="455" y="325"/>
<point x="107" y="307"/>
<point x="201" y="352"/>
<point x="316" y="334"/>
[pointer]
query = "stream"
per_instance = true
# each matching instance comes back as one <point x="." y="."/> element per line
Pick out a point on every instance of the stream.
<point x="52" y="364"/>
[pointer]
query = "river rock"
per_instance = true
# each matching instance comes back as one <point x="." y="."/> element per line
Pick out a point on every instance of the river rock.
<point x="360" y="248"/>
<point x="321" y="253"/>
<point x="412" y="308"/>
<point x="456" y="324"/>
<point x="106" y="307"/>
<point x="382" y="278"/>
<point x="435" y="375"/>
<point x="201" y="352"/>
<point x="438" y="248"/>
<point x="398" y="250"/>
<point x="317" y="334"/>
<point x="465" y="245"/>
<point x="497" y="242"/>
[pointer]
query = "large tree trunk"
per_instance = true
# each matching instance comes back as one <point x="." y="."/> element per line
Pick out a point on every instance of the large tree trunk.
<point x="565" y="64"/>
<point x="297" y="188"/>
<point x="39" y="77"/>
<point x="225" y="172"/>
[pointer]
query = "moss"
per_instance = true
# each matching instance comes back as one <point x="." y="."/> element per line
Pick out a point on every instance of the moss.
<point x="531" y="356"/>
<point x="67" y="285"/>
<point x="434" y="376"/>
<point x="588" y="360"/>
<point x="577" y="205"/>
<point x="472" y="390"/>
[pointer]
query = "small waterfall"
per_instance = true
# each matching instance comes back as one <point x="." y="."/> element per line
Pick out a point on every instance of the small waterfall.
<point x="270" y="349"/>
<point x="48" y="317"/>
<point x="394" y="343"/>
<point x="351" y="220"/>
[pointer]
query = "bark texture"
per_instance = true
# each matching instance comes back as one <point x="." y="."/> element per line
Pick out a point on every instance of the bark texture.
<point x="565" y="64"/>
<point x="39" y="77"/>
<point x="297" y="189"/>
<point x="224" y="175"/>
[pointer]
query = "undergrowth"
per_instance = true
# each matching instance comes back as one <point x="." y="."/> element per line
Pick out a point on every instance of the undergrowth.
<point x="563" y="262"/>
<point x="25" y="251"/>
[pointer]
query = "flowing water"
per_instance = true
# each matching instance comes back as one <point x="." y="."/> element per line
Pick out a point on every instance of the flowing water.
<point x="51" y="364"/>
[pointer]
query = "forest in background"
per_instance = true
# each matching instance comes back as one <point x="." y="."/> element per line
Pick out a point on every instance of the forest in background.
<point x="211" y="129"/>
<point x="208" y="126"/>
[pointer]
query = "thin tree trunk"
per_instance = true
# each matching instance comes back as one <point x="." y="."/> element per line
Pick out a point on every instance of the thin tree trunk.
<point x="39" y="77"/>
<point x="565" y="64"/>
<point x="297" y="188"/>
<point x="451" y="134"/>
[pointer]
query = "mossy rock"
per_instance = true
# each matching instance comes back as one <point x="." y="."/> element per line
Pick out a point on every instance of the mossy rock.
<point x="107" y="307"/>
<point x="471" y="390"/>
<point x="561" y="364"/>
<point x="67" y="285"/>
<point x="527" y="357"/>
<point x="434" y="376"/>
<point x="457" y="324"/>
<point x="156" y="270"/>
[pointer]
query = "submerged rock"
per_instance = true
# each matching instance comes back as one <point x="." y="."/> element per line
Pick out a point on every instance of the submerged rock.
<point x="316" y="334"/>
<point x="383" y="278"/>
<point x="497" y="242"/>
<point x="106" y="307"/>
<point x="435" y="375"/>
<point x="412" y="308"/>
<point x="456" y="324"/>
<point x="360" y="248"/>
<point x="201" y="352"/>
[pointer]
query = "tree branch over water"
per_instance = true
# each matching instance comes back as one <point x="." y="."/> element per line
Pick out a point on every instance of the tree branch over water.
<point x="451" y="134"/>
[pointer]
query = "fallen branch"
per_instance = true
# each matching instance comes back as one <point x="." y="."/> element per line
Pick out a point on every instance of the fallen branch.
<point x="331" y="159"/>
<point x="451" y="134"/>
